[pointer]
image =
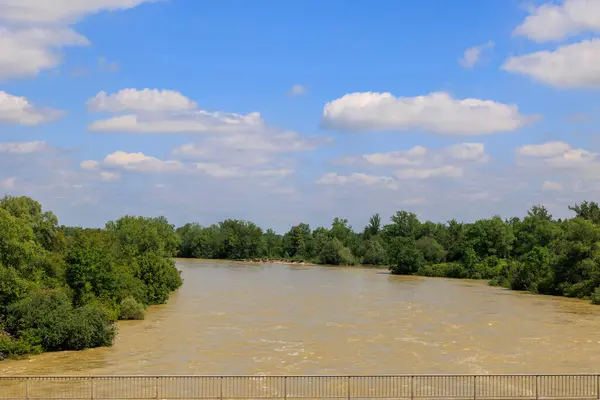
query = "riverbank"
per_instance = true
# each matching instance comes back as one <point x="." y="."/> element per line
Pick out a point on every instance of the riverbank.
<point x="286" y="262"/>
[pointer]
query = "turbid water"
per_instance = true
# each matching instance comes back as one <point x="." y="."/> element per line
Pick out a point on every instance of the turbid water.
<point x="277" y="319"/>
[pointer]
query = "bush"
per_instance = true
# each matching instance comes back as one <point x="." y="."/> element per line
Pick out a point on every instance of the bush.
<point x="596" y="296"/>
<point x="404" y="257"/>
<point x="375" y="253"/>
<point x="131" y="309"/>
<point x="346" y="257"/>
<point x="11" y="348"/>
<point x="443" y="270"/>
<point x="47" y="319"/>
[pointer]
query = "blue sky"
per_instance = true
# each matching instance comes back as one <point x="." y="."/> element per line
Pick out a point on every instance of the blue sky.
<point x="298" y="111"/>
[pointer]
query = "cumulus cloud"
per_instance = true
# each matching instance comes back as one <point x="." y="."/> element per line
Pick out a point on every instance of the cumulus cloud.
<point x="417" y="164"/>
<point x="145" y="100"/>
<point x="248" y="150"/>
<point x="197" y="121"/>
<point x="418" y="155"/>
<point x="18" y="110"/>
<point x="24" y="147"/>
<point x="436" y="112"/>
<point x="559" y="156"/>
<point x="569" y="66"/>
<point x="472" y="55"/>
<point x="141" y="162"/>
<point x="551" y="21"/>
<point x="548" y="149"/>
<point x="34" y="31"/>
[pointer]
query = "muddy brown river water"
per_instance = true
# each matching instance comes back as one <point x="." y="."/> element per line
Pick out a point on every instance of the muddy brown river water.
<point x="278" y="320"/>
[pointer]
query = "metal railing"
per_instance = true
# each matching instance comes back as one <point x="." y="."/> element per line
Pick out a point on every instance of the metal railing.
<point x="574" y="386"/>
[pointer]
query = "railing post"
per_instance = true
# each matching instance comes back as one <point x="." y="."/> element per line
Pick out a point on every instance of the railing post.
<point x="412" y="387"/>
<point x="91" y="387"/>
<point x="474" y="387"/>
<point x="27" y="388"/>
<point x="220" y="388"/>
<point x="285" y="387"/>
<point x="598" y="386"/>
<point x="537" y="389"/>
<point x="348" y="387"/>
<point x="156" y="388"/>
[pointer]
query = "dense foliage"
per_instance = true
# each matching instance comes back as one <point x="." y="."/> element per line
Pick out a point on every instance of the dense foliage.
<point x="536" y="253"/>
<point x="63" y="288"/>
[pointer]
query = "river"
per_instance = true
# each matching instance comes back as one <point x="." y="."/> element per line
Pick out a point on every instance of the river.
<point x="231" y="318"/>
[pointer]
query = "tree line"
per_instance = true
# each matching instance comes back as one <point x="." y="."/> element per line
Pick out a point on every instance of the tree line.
<point x="536" y="253"/>
<point x="63" y="288"/>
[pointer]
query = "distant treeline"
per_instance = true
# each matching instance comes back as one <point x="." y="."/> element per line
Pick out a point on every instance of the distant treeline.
<point x="536" y="253"/>
<point x="63" y="288"/>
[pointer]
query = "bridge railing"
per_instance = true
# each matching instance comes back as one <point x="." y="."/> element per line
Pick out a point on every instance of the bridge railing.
<point x="411" y="387"/>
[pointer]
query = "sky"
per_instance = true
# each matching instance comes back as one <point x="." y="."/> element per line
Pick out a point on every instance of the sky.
<point x="282" y="112"/>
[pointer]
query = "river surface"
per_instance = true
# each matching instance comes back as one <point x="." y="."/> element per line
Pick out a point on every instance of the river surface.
<point x="277" y="319"/>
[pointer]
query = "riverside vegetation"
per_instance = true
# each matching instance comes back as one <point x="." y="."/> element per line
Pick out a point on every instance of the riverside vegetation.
<point x="537" y="253"/>
<point x="63" y="288"/>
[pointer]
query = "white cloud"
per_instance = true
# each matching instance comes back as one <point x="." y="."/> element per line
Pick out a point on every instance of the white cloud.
<point x="556" y="21"/>
<point x="413" y="156"/>
<point x="141" y="162"/>
<point x="435" y="112"/>
<point x="548" y="149"/>
<point x="223" y="171"/>
<point x="357" y="178"/>
<point x="446" y="171"/>
<point x="418" y="155"/>
<point x="569" y="66"/>
<point x="59" y="11"/>
<point x="24" y="52"/>
<point x="560" y="156"/>
<point x="468" y="152"/>
<point x="109" y="176"/>
<point x="8" y="183"/>
<point x="297" y="90"/>
<point x="198" y="121"/>
<point x="36" y="30"/>
<point x="91" y="165"/>
<point x="24" y="147"/>
<point x="473" y="54"/>
<point x="550" y="186"/>
<point x="247" y="150"/>
<point x="18" y="110"/>
<point x="146" y="100"/>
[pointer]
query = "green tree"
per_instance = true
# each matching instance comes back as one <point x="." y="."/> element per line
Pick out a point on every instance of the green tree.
<point x="404" y="257"/>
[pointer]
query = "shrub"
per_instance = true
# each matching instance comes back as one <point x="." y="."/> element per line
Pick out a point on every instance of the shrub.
<point x="404" y="257"/>
<point x="596" y="296"/>
<point x="443" y="270"/>
<point x="131" y="309"/>
<point x="13" y="348"/>
<point x="375" y="253"/>
<point x="47" y="319"/>
<point x="346" y="257"/>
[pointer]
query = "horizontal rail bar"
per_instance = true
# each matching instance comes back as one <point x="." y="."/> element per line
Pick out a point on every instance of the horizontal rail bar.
<point x="290" y="376"/>
<point x="217" y="387"/>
